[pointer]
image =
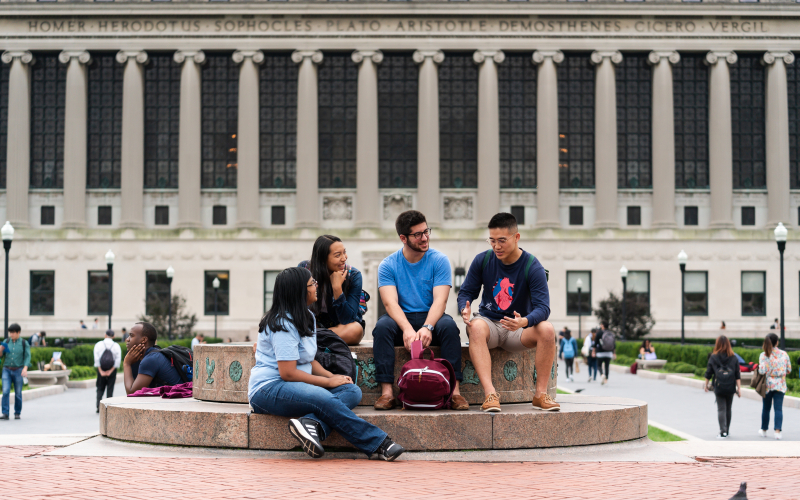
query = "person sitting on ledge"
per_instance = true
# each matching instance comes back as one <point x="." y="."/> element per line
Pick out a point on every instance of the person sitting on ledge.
<point x="513" y="312"/>
<point x="288" y="382"/>
<point x="144" y="365"/>
<point x="647" y="351"/>
<point x="414" y="283"/>
<point x="340" y="289"/>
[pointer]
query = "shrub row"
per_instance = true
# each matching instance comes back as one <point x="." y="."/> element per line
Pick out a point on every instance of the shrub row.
<point x="679" y="367"/>
<point x="82" y="372"/>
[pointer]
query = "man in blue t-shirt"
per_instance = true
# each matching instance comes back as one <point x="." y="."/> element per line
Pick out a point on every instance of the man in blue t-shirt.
<point x="414" y="283"/>
<point x="513" y="313"/>
<point x="144" y="365"/>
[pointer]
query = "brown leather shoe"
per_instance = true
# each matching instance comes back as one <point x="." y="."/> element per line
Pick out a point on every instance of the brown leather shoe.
<point x="459" y="403"/>
<point x="385" y="403"/>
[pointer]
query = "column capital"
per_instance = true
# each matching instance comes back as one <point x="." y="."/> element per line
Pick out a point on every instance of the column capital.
<point x="198" y="55"/>
<point x="729" y="56"/>
<point x="656" y="56"/>
<point x="614" y="56"/>
<point x="256" y="55"/>
<point x="299" y="55"/>
<point x="140" y="56"/>
<point x="773" y="55"/>
<point x="82" y="56"/>
<point x="436" y="55"/>
<point x="540" y="55"/>
<point x="359" y="55"/>
<point x="25" y="56"/>
<point x="480" y="56"/>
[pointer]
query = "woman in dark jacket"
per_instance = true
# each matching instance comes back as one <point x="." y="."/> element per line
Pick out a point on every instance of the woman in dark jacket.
<point x="722" y="364"/>
<point x="338" y="308"/>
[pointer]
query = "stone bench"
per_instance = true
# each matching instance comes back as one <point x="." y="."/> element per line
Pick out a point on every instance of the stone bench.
<point x="38" y="378"/>
<point x="646" y="364"/>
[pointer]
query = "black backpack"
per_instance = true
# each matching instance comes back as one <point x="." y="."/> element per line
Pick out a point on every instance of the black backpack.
<point x="724" y="379"/>
<point x="181" y="359"/>
<point x="334" y="355"/>
<point x="107" y="360"/>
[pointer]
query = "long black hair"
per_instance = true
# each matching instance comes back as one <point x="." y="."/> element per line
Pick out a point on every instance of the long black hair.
<point x="289" y="302"/>
<point x="319" y="269"/>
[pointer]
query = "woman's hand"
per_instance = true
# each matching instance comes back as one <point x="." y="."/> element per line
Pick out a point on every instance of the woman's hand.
<point x="337" y="279"/>
<point x="705" y="386"/>
<point x="739" y="391"/>
<point x="337" y="380"/>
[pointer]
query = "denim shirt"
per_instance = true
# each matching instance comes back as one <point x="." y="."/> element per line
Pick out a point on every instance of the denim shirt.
<point x="346" y="308"/>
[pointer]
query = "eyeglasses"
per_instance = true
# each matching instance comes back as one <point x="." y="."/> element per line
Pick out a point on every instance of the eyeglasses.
<point x="418" y="236"/>
<point x="498" y="241"/>
<point x="313" y="283"/>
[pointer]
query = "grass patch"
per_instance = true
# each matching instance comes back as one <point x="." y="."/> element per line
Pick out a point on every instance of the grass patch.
<point x="660" y="436"/>
<point x="559" y="391"/>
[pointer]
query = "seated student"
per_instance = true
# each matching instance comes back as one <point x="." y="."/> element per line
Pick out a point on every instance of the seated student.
<point x="414" y="283"/>
<point x="513" y="312"/>
<point x="340" y="289"/>
<point x="287" y="381"/>
<point x="144" y="365"/>
<point x="647" y="351"/>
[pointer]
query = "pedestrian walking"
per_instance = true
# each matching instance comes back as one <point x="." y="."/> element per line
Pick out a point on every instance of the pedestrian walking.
<point x="723" y="366"/>
<point x="775" y="365"/>
<point x="16" y="358"/>
<point x="591" y="356"/>
<point x="107" y="356"/>
<point x="605" y="350"/>
<point x="569" y="348"/>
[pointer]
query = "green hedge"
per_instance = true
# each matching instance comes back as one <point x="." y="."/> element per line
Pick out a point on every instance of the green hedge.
<point x="679" y="368"/>
<point x="82" y="372"/>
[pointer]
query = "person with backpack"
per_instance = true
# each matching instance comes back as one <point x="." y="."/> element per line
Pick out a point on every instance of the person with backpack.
<point x="724" y="368"/>
<point x="775" y="365"/>
<point x="339" y="307"/>
<point x="513" y="312"/>
<point x="107" y="357"/>
<point x="568" y="347"/>
<point x="588" y="350"/>
<point x="605" y="350"/>
<point x="145" y="365"/>
<point x="16" y="354"/>
<point x="287" y="380"/>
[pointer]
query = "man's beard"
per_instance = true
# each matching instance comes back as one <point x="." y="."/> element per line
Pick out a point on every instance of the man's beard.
<point x="417" y="248"/>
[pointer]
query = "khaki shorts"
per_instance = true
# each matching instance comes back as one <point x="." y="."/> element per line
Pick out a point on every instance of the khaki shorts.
<point x="500" y="337"/>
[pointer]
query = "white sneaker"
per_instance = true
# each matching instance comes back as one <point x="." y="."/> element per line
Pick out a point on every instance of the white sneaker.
<point x="778" y="436"/>
<point x="604" y="380"/>
<point x="590" y="379"/>
<point x="721" y="436"/>
<point x="762" y="433"/>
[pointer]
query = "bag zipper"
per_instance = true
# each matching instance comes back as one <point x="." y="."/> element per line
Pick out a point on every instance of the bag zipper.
<point x="425" y="370"/>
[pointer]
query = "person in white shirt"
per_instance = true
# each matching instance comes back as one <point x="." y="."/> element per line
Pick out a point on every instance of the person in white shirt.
<point x="198" y="339"/>
<point x="106" y="365"/>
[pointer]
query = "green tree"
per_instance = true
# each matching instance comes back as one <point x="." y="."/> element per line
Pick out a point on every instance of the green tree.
<point x="638" y="321"/>
<point x="183" y="321"/>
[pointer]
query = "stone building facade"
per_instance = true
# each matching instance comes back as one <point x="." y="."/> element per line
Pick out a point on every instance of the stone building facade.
<point x="220" y="138"/>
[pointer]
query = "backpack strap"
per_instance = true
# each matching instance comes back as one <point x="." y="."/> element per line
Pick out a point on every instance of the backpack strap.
<point x="486" y="257"/>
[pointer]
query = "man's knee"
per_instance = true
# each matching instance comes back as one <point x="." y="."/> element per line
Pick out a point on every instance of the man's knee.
<point x="384" y="328"/>
<point x="446" y="327"/>
<point x="545" y="332"/>
<point x="478" y="331"/>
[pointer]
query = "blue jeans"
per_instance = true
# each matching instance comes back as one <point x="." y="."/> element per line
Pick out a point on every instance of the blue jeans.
<point x="16" y="376"/>
<point x="592" y="362"/>
<point x="332" y="408"/>
<point x="772" y="398"/>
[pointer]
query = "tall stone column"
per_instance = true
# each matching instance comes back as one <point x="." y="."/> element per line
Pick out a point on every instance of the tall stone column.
<point x="488" y="134"/>
<point x="247" y="139"/>
<point x="720" y="139"/>
<point x="190" y="138"/>
<point x="132" y="161"/>
<point x="75" y="137"/>
<point x="368" y="209"/>
<point x="547" y="178"/>
<point x="777" y="121"/>
<point x="18" y="146"/>
<point x="663" y="131"/>
<point x="605" y="138"/>
<point x="428" y="135"/>
<point x="307" y="205"/>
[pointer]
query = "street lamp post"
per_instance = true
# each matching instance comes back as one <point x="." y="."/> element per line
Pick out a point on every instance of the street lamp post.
<point x="7" y="233"/>
<point x="170" y="274"/>
<point x="110" y="268"/>
<point x="780" y="238"/>
<point x="623" y="272"/>
<point x="682" y="258"/>
<point x="215" y="284"/>
<point x="579" y="283"/>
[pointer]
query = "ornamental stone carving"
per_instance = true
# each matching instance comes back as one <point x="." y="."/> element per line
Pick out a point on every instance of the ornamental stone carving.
<point x="199" y="56"/>
<point x="395" y="204"/>
<point x="497" y="56"/>
<point x="25" y="56"/>
<point x="299" y="55"/>
<point x="656" y="56"/>
<point x="614" y="55"/>
<point x="82" y="56"/>
<point x="359" y="55"/>
<point x="540" y="55"/>
<point x="420" y="55"/>
<point x="337" y="207"/>
<point x="256" y="55"/>
<point x="713" y="57"/>
<point x="140" y="56"/>
<point x="772" y="56"/>
<point x="458" y="207"/>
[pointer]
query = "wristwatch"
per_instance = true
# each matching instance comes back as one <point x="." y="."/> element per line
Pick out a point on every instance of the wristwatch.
<point x="429" y="327"/>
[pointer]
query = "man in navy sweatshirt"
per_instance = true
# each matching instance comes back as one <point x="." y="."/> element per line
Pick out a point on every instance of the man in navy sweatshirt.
<point x="513" y="312"/>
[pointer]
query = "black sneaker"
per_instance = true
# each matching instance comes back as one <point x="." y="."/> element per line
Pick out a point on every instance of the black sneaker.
<point x="307" y="431"/>
<point x="389" y="450"/>
<point x="4" y="417"/>
<point x="16" y="416"/>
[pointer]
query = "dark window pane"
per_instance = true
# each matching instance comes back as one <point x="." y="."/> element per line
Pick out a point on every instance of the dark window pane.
<point x="338" y="100"/>
<point x="222" y="292"/>
<point x="633" y="122"/>
<point x="579" y="303"/>
<point x="162" y="100"/>
<point x="634" y="216"/>
<point x="695" y="297"/>
<point x="575" y="216"/>
<point x="98" y="293"/>
<point x="754" y="293"/>
<point x="278" y="122"/>
<point x="157" y="291"/>
<point x="458" y="121"/>
<point x="637" y="287"/>
<point x="748" y="216"/>
<point x="690" y="97"/>
<point x="518" y="211"/>
<point x="104" y="122"/>
<point x="278" y="215"/>
<point x="517" y="93"/>
<point x="747" y="121"/>
<point x="398" y="79"/>
<point x="576" y="121"/>
<point x="793" y="81"/>
<point x="48" y="95"/>
<point x="4" y="71"/>
<point x="689" y="216"/>
<point x="220" y="120"/>
<point x="42" y="297"/>
<point x="162" y="215"/>
<point x="47" y="217"/>
<point x="104" y="216"/>
<point x="220" y="216"/>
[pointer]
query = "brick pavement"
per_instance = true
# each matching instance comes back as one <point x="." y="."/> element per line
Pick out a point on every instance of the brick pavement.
<point x="28" y="475"/>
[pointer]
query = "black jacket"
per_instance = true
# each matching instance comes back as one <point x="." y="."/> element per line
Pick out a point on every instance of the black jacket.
<point x="721" y="359"/>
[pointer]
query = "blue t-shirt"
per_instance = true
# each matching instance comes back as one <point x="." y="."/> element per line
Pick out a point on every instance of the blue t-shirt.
<point x="156" y="365"/>
<point x="280" y="346"/>
<point x="415" y="282"/>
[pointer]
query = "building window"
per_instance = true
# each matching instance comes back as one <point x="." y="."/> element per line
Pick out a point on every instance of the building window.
<point x="695" y="293"/>
<point x="162" y="102"/>
<point x="637" y="288"/>
<point x="338" y="101"/>
<point x="269" y="286"/>
<point x="278" y="122"/>
<point x="157" y="293"/>
<point x="747" y="113"/>
<point x="48" y="96"/>
<point x="398" y="79"/>
<point x="576" y="121"/>
<point x="518" y="211"/>
<point x="689" y="216"/>
<point x="575" y="216"/>
<point x="754" y="297"/>
<point x="458" y="121"/>
<point x="98" y="293"/>
<point x="572" y="293"/>
<point x="5" y="69"/>
<point x="47" y="215"/>
<point x="104" y="122"/>
<point x="104" y="215"/>
<point x="634" y="216"/>
<point x="278" y="215"/>
<point x="517" y="94"/>
<point x="748" y="216"/>
<point x="222" y="293"/>
<point x="43" y="290"/>
<point x="220" y="120"/>
<point x="690" y="96"/>
<point x="162" y="215"/>
<point x="634" y="92"/>
<point x="793" y="82"/>
<point x="220" y="215"/>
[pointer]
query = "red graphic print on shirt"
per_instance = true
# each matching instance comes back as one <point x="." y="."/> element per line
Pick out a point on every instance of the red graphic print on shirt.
<point x="503" y="293"/>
